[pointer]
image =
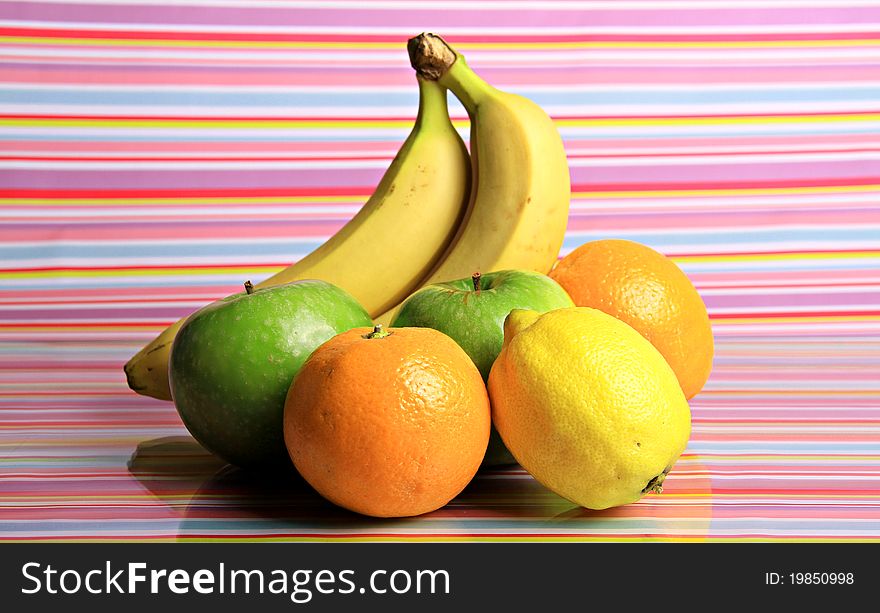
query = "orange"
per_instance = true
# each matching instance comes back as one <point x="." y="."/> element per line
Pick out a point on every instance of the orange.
<point x="652" y="294"/>
<point x="388" y="423"/>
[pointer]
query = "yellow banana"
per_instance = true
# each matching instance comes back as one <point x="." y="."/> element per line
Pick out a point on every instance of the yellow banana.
<point x="522" y="188"/>
<point x="395" y="239"/>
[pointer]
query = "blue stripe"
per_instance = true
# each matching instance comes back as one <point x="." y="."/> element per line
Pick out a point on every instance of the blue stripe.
<point x="377" y="98"/>
<point x="294" y="248"/>
<point x="561" y="520"/>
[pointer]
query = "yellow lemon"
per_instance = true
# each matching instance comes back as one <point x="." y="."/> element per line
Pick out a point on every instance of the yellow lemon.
<point x="587" y="405"/>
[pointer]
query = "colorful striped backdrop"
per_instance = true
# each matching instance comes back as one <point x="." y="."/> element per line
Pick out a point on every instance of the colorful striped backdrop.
<point x="156" y="153"/>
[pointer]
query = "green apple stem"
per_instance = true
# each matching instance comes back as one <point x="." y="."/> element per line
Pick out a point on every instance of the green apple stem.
<point x="476" y="280"/>
<point x="377" y="332"/>
<point x="249" y="287"/>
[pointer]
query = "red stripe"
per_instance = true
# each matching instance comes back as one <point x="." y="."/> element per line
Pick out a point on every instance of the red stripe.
<point x="36" y="158"/>
<point x="719" y="152"/>
<point x="723" y="185"/>
<point x="713" y="316"/>
<point x="714" y="115"/>
<point x="10" y="423"/>
<point x="514" y="536"/>
<point x="400" y="38"/>
<point x="360" y="191"/>
<point x="183" y="193"/>
<point x="73" y="304"/>
<point x="134" y="267"/>
<point x="60" y="364"/>
<point x="69" y="392"/>
<point x="701" y="285"/>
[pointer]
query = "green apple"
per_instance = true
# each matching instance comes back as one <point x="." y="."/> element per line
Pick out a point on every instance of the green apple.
<point x="472" y="311"/>
<point x="233" y="361"/>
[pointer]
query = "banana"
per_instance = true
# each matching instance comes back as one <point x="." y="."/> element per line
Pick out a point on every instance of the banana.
<point x="395" y="239"/>
<point x="520" y="199"/>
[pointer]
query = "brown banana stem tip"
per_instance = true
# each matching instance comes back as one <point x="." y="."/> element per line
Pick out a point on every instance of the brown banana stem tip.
<point x="249" y="287"/>
<point x="430" y="55"/>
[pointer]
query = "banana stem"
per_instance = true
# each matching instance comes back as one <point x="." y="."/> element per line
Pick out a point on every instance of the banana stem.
<point x="248" y="287"/>
<point x="433" y="109"/>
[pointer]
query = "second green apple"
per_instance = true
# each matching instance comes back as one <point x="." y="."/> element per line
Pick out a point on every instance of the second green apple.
<point x="471" y="311"/>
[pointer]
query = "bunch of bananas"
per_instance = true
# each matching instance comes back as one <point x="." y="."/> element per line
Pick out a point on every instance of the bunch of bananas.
<point x="437" y="214"/>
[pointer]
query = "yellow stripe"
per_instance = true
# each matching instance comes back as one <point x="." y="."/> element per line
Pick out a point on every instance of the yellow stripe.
<point x="776" y="458"/>
<point x="183" y="497"/>
<point x="759" y="257"/>
<point x="632" y="44"/>
<point x="791" y="392"/>
<point x="205" y="123"/>
<point x="535" y="539"/>
<point x="463" y="47"/>
<point x="685" y="460"/>
<point x="708" y="495"/>
<point x="452" y="538"/>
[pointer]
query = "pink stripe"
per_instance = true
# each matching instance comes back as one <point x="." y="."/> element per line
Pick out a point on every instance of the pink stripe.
<point x="796" y="512"/>
<point x="486" y="63"/>
<point x="675" y="203"/>
<point x="415" y="16"/>
<point x="661" y="145"/>
<point x="803" y="436"/>
<point x="390" y="77"/>
<point x="768" y="171"/>
<point x="647" y="220"/>
<point x="621" y="175"/>
<point x="771" y="415"/>
<point x="778" y="374"/>
<point x="318" y="225"/>
<point x="783" y="277"/>
<point x="486" y="59"/>
<point x="196" y="293"/>
<point x="721" y="143"/>
<point x="146" y="147"/>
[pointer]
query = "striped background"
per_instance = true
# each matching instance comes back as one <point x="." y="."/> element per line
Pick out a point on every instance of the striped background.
<point x="153" y="155"/>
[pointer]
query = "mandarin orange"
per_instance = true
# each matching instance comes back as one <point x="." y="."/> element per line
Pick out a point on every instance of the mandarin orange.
<point x="388" y="423"/>
<point x="648" y="291"/>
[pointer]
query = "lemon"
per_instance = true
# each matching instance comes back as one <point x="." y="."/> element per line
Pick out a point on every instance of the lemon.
<point x="587" y="405"/>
